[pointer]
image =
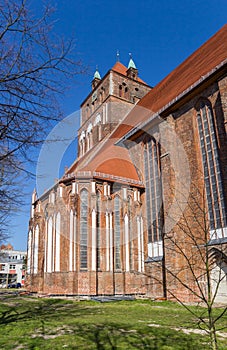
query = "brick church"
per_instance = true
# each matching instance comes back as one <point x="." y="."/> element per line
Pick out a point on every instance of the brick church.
<point x="142" y="210"/>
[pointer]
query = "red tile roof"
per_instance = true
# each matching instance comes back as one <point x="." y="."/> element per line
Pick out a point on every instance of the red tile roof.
<point x="106" y="159"/>
<point x="115" y="160"/>
<point x="201" y="62"/>
<point x="120" y="68"/>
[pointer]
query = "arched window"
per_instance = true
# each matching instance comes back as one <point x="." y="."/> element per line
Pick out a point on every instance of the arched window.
<point x="117" y="234"/>
<point x="36" y="250"/>
<point x="126" y="93"/>
<point x="57" y="242"/>
<point x="140" y="243"/>
<point x="83" y="228"/>
<point x="120" y="90"/>
<point x="153" y="198"/>
<point x="126" y="242"/>
<point x="211" y="169"/>
<point x="82" y="143"/>
<point x="72" y="241"/>
<point x="89" y="136"/>
<point x="98" y="229"/>
<point x="130" y="228"/>
<point x="49" y="244"/>
<point x="29" y="251"/>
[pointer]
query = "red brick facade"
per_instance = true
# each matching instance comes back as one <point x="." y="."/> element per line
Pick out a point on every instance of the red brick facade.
<point x="155" y="199"/>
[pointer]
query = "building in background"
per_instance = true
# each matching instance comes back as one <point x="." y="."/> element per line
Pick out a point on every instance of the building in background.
<point x="12" y="266"/>
<point x="151" y="165"/>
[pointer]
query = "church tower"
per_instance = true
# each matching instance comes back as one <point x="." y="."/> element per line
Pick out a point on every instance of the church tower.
<point x="110" y="99"/>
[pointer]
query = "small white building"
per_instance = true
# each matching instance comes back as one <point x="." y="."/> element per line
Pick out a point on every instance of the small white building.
<point x="12" y="267"/>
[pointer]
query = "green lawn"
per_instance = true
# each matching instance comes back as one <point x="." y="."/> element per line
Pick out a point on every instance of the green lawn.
<point x="35" y="323"/>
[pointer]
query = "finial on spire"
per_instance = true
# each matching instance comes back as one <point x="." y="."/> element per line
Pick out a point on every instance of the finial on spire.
<point x="131" y="63"/>
<point x="118" y="56"/>
<point x="97" y="75"/>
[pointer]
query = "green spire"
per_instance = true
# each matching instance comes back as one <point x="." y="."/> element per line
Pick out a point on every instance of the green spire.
<point x="131" y="63"/>
<point x="97" y="75"/>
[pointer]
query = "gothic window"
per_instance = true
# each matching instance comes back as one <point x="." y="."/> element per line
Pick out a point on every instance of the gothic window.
<point x="140" y="244"/>
<point x="89" y="136"/>
<point x="36" y="250"/>
<point x="29" y="251"/>
<point x="126" y="94"/>
<point x="120" y="90"/>
<point x="82" y="143"/>
<point x="98" y="228"/>
<point x="126" y="243"/>
<point x="72" y="241"/>
<point x="130" y="229"/>
<point x="153" y="197"/>
<point x="49" y="244"/>
<point x="83" y="228"/>
<point x="57" y="242"/>
<point x="211" y="169"/>
<point x="117" y="234"/>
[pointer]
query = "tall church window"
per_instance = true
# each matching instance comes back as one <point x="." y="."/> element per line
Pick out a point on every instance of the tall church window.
<point x="83" y="228"/>
<point x="140" y="244"/>
<point x="57" y="242"/>
<point x="117" y="234"/>
<point x="36" y="250"/>
<point x="89" y="136"/>
<point x="98" y="229"/>
<point x="130" y="228"/>
<point x="211" y="169"/>
<point x="126" y="243"/>
<point x="49" y="244"/>
<point x="71" y="222"/>
<point x="29" y="251"/>
<point x="120" y="90"/>
<point x="126" y="94"/>
<point x="153" y="198"/>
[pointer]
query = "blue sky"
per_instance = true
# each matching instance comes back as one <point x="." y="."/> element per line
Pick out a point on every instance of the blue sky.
<point x="160" y="34"/>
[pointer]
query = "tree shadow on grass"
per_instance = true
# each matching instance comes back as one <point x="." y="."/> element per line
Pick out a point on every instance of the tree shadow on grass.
<point x="78" y="332"/>
<point x="114" y="337"/>
<point x="45" y="309"/>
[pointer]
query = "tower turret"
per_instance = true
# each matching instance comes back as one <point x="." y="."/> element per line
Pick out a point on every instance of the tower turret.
<point x="96" y="79"/>
<point x="132" y="71"/>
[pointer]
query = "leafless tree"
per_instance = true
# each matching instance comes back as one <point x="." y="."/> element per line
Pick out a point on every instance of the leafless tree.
<point x="195" y="266"/>
<point x="35" y="66"/>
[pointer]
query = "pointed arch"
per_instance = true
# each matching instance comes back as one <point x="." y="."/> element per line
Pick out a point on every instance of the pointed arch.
<point x="153" y="197"/>
<point x="83" y="228"/>
<point x="49" y="244"/>
<point x="72" y="240"/>
<point x="36" y="250"/>
<point x="57" y="242"/>
<point x="126" y="239"/>
<point x="131" y="233"/>
<point x="29" y="252"/>
<point x="98" y="229"/>
<point x="117" y="234"/>
<point x="211" y="169"/>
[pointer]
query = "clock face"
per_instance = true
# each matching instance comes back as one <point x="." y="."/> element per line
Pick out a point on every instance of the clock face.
<point x="94" y="96"/>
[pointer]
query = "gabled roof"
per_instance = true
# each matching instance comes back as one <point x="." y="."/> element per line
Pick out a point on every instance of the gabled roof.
<point x="120" y="68"/>
<point x="107" y="157"/>
<point x="201" y="62"/>
<point x="204" y="60"/>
